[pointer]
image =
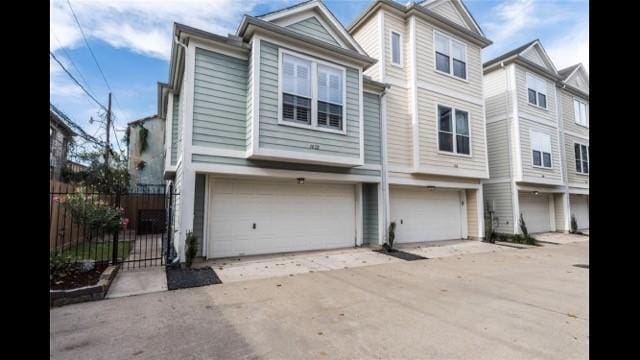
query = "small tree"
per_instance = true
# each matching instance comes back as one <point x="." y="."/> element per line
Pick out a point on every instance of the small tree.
<point x="192" y="248"/>
<point x="574" y="224"/>
<point x="523" y="227"/>
<point x="489" y="235"/>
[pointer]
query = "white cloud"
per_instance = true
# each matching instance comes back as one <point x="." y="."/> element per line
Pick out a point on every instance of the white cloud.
<point x="571" y="48"/>
<point x="510" y="18"/>
<point x="143" y="26"/>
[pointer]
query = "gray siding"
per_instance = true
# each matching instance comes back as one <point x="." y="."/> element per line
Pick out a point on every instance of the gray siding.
<point x="281" y="137"/>
<point x="526" y="109"/>
<point x="249" y="100"/>
<point x="530" y="173"/>
<point x="448" y="10"/>
<point x="370" y="213"/>
<point x="220" y="101"/>
<point x="533" y="56"/>
<point x="312" y="27"/>
<point x="222" y="160"/>
<point x="498" y="148"/>
<point x="573" y="177"/>
<point x="175" y="129"/>
<point x="198" y="211"/>
<point x="500" y="195"/>
<point x="496" y="100"/>
<point x="372" y="139"/>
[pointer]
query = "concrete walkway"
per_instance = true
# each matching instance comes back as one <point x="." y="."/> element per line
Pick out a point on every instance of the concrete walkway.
<point x="137" y="282"/>
<point x="560" y="238"/>
<point x="519" y="304"/>
<point x="438" y="249"/>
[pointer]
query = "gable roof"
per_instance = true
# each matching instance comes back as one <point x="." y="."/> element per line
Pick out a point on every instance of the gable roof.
<point x="566" y="73"/>
<point x="324" y="12"/>
<point x="462" y="8"/>
<point x="569" y="73"/>
<point x="144" y="119"/>
<point x="426" y="14"/>
<point x="517" y="54"/>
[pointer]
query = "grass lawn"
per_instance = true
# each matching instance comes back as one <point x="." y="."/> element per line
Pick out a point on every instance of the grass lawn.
<point x="98" y="252"/>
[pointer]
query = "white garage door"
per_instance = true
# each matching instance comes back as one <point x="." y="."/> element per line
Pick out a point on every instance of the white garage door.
<point x="535" y="211"/>
<point x="287" y="217"/>
<point x="424" y="215"/>
<point x="580" y="209"/>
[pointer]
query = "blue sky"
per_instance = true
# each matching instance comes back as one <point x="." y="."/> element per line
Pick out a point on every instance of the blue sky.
<point x="131" y="41"/>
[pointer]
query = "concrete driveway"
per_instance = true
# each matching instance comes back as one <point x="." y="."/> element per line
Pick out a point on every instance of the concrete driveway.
<point x="510" y="304"/>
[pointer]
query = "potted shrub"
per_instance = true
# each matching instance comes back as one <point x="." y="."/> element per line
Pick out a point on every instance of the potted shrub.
<point x="388" y="246"/>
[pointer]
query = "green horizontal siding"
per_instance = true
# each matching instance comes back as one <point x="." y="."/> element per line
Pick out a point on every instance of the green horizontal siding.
<point x="370" y="213"/>
<point x="175" y="129"/>
<point x="198" y="211"/>
<point x="312" y="27"/>
<point x="372" y="138"/>
<point x="282" y="137"/>
<point x="222" y="160"/>
<point x="220" y="101"/>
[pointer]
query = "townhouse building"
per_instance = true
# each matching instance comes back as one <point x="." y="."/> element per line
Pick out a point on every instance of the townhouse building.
<point x="433" y="115"/>
<point x="533" y="126"/>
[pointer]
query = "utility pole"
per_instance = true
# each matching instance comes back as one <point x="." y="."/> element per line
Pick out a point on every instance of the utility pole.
<point x="107" y="146"/>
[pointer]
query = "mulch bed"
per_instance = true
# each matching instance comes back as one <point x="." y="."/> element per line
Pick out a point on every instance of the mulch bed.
<point x="401" y="255"/>
<point x="77" y="279"/>
<point x="180" y="278"/>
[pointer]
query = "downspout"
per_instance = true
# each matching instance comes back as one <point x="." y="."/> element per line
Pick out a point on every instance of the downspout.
<point x="383" y="167"/>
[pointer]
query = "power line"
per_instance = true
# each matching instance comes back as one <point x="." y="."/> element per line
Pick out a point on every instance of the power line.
<point x="77" y="127"/>
<point x="72" y="63"/>
<point x="88" y="47"/>
<point x="76" y="81"/>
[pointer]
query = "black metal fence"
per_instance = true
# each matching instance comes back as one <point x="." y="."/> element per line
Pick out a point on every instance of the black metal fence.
<point x="133" y="229"/>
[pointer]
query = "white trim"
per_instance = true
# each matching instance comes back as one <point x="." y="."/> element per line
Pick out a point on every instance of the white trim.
<point x="454" y="134"/>
<point x="546" y="57"/>
<point x="360" y="112"/>
<point x="205" y="217"/>
<point x="235" y="171"/>
<point x="552" y="212"/>
<point x="542" y="181"/>
<point x="384" y="184"/>
<point x="546" y="86"/>
<point x="497" y="180"/>
<point x="464" y="221"/>
<point x="205" y="150"/>
<point x="515" y="196"/>
<point x="450" y="171"/>
<point x="381" y="216"/>
<point x="511" y="80"/>
<point x="452" y="39"/>
<point x="436" y="183"/>
<point x="454" y="94"/>
<point x="382" y="56"/>
<point x="369" y="167"/>
<point x="415" y="118"/>
<point x="359" y="222"/>
<point x="314" y="92"/>
<point x="541" y="189"/>
<point x="292" y="156"/>
<point x="586" y="111"/>
<point x="458" y="6"/>
<point x="578" y="190"/>
<point x="480" y="211"/>
<point x="391" y="32"/>
<point x="324" y="11"/>
<point x="255" y="94"/>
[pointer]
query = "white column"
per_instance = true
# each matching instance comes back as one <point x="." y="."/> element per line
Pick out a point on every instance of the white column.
<point x="359" y="222"/>
<point x="480" y="214"/>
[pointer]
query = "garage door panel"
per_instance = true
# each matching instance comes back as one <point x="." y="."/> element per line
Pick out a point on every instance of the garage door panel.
<point x="424" y="215"/>
<point x="535" y="211"/>
<point x="288" y="217"/>
<point x="580" y="209"/>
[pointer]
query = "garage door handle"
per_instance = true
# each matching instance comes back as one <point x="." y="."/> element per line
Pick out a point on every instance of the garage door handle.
<point x="401" y="221"/>
<point x="254" y="225"/>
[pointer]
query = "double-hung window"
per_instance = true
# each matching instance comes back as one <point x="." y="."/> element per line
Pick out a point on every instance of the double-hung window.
<point x="453" y="131"/>
<point x="582" y="158"/>
<point x="330" y="97"/>
<point x="541" y="149"/>
<point x="451" y="56"/>
<point x="580" y="113"/>
<point x="313" y="93"/>
<point x="536" y="91"/>
<point x="396" y="54"/>
<point x="296" y="90"/>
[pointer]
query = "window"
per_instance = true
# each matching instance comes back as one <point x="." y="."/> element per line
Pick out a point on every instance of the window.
<point x="536" y="91"/>
<point x="329" y="97"/>
<point x="582" y="158"/>
<point x="541" y="149"/>
<point x="395" y="49"/>
<point x="580" y="113"/>
<point x="296" y="87"/>
<point x="453" y="136"/>
<point x="313" y="93"/>
<point x="451" y="56"/>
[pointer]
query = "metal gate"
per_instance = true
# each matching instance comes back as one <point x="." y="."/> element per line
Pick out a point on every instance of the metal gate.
<point x="133" y="229"/>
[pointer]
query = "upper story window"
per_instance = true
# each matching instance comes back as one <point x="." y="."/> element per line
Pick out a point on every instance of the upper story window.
<point x="536" y="91"/>
<point x="451" y="56"/>
<point x="541" y="149"/>
<point x="582" y="158"/>
<point x="313" y="93"/>
<point x="396" y="54"/>
<point x="580" y="113"/>
<point x="453" y="130"/>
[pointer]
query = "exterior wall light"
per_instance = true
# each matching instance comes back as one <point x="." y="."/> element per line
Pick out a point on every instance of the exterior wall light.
<point x="431" y="187"/>
<point x="536" y="193"/>
<point x="300" y="180"/>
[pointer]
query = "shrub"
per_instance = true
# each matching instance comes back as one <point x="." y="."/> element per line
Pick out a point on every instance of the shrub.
<point x="392" y="236"/>
<point x="91" y="211"/>
<point x="574" y="224"/>
<point x="489" y="234"/>
<point x="59" y="265"/>
<point x="192" y="248"/>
